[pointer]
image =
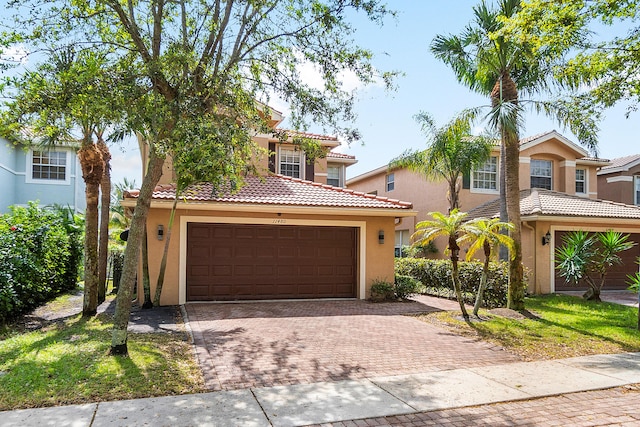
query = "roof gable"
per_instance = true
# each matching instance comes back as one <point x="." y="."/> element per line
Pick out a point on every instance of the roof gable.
<point x="532" y="141"/>
<point x="621" y="164"/>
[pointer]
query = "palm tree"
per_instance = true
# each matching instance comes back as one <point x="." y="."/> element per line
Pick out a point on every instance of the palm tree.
<point x="449" y="226"/>
<point x="589" y="257"/>
<point x="486" y="234"/>
<point x="451" y="152"/>
<point x="494" y="65"/>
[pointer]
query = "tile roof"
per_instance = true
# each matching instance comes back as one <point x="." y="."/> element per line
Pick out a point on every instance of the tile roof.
<point x="279" y="190"/>
<point x="534" y="137"/>
<point x="334" y="155"/>
<point x="537" y="201"/>
<point x="309" y="135"/>
<point x="622" y="161"/>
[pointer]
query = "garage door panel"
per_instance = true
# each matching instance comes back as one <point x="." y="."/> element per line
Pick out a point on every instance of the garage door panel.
<point x="270" y="262"/>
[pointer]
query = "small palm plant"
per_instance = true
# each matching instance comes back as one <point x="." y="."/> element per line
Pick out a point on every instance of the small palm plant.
<point x="634" y="286"/>
<point x="589" y="257"/>
<point x="486" y="234"/>
<point x="449" y="226"/>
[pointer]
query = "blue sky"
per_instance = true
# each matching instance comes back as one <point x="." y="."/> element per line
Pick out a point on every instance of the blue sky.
<point x="385" y="119"/>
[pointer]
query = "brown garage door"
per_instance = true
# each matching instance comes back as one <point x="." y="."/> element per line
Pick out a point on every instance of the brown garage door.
<point x="227" y="262"/>
<point x="617" y="275"/>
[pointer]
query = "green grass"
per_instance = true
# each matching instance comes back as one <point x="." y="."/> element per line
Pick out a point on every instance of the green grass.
<point x="68" y="362"/>
<point x="558" y="326"/>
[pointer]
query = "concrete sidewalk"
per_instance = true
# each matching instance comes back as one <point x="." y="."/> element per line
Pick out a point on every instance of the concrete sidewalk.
<point x="326" y="402"/>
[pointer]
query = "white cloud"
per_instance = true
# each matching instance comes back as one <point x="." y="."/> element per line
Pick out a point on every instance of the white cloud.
<point x="16" y="54"/>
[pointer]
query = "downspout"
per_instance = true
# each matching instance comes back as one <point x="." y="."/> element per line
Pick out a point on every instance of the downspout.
<point x="536" y="288"/>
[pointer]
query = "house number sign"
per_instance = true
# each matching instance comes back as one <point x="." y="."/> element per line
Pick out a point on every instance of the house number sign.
<point x="279" y="221"/>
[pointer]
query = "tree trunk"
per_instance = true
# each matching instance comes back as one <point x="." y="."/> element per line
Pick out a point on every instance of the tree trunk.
<point x="455" y="250"/>
<point x="103" y="245"/>
<point x="146" y="281"/>
<point x="505" y="91"/>
<point x="483" y="278"/>
<point x="132" y="253"/>
<point x="454" y="202"/>
<point x="92" y="168"/>
<point x="165" y="253"/>
<point x="504" y="217"/>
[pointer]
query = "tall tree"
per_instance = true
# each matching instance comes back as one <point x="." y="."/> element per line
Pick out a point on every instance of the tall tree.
<point x="71" y="93"/>
<point x="492" y="62"/>
<point x="206" y="63"/>
<point x="451" y="152"/>
<point x="451" y="227"/>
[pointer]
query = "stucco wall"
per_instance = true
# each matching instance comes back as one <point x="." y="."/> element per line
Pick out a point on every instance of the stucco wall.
<point x="377" y="263"/>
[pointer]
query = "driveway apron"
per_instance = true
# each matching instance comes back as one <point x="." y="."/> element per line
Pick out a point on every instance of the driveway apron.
<point x="263" y="344"/>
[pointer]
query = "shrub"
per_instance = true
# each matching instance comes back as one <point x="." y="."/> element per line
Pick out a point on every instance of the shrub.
<point x="435" y="276"/>
<point x="40" y="252"/>
<point x="405" y="286"/>
<point x="382" y="291"/>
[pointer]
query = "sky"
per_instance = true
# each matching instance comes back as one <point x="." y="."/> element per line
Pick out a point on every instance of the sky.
<point x="386" y="118"/>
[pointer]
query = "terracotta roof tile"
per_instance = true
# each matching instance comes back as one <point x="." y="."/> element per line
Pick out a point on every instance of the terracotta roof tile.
<point x="334" y="155"/>
<point x="280" y="190"/>
<point x="537" y="201"/>
<point x="317" y="136"/>
<point x="622" y="161"/>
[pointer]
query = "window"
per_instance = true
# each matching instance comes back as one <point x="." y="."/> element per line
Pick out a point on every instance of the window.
<point x="485" y="177"/>
<point x="49" y="165"/>
<point x="636" y="192"/>
<point x="541" y="174"/>
<point x="290" y="163"/>
<point x="334" y="175"/>
<point x="390" y="182"/>
<point x="402" y="240"/>
<point x="581" y="181"/>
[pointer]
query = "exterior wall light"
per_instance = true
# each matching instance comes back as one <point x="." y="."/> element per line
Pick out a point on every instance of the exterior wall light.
<point x="381" y="237"/>
<point x="546" y="239"/>
<point x="160" y="232"/>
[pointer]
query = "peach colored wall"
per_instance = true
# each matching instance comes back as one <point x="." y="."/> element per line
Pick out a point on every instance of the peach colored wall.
<point x="618" y="191"/>
<point x="378" y="263"/>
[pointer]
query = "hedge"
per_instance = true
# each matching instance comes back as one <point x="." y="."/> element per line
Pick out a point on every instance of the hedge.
<point x="40" y="254"/>
<point x="435" y="275"/>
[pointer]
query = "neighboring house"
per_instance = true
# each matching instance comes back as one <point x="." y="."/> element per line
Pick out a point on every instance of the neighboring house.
<point x="548" y="215"/>
<point x="620" y="181"/>
<point x="51" y="176"/>
<point x="549" y="161"/>
<point x="287" y="235"/>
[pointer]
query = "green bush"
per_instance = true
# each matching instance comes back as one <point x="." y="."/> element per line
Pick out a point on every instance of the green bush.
<point x="40" y="253"/>
<point x="405" y="286"/>
<point x="435" y="276"/>
<point x="382" y="291"/>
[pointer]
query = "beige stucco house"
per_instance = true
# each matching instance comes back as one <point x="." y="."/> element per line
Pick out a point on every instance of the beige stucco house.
<point x="559" y="183"/>
<point x="294" y="233"/>
<point x="620" y="181"/>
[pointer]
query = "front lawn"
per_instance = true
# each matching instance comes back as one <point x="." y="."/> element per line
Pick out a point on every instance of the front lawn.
<point x="67" y="362"/>
<point x="556" y="326"/>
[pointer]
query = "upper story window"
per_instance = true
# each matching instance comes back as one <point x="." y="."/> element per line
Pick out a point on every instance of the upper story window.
<point x="290" y="163"/>
<point x="581" y="181"/>
<point x="485" y="177"/>
<point x="636" y="192"/>
<point x="390" y="180"/>
<point x="541" y="174"/>
<point x="334" y="176"/>
<point x="51" y="167"/>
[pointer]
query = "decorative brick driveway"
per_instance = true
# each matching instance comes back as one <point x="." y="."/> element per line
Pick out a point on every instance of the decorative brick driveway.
<point x="278" y="343"/>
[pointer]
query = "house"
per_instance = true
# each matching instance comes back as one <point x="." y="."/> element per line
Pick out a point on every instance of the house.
<point x="294" y="233"/>
<point x="49" y="175"/>
<point x="548" y="161"/>
<point x="548" y="215"/>
<point x="620" y="181"/>
<point x="559" y="193"/>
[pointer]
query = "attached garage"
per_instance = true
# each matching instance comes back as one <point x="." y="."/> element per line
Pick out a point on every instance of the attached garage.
<point x="228" y="262"/>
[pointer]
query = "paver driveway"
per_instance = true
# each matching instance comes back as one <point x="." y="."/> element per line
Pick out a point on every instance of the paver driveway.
<point x="263" y="344"/>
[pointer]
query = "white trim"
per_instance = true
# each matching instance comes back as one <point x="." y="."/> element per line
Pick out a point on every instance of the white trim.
<point x="622" y="178"/>
<point x="184" y="220"/>
<point x="8" y="169"/>
<point x="320" y="174"/>
<point x="586" y="182"/>
<point x="567" y="164"/>
<point x="525" y="160"/>
<point x="622" y="168"/>
<point x="29" y="169"/>
<point x="473" y="189"/>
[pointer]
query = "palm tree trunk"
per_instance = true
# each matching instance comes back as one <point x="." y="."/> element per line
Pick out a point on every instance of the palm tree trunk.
<point x="103" y="245"/>
<point x="92" y="168"/>
<point x="146" y="281"/>
<point x="483" y="279"/>
<point x="132" y="253"/>
<point x="455" y="251"/>
<point x="504" y="217"/>
<point x="165" y="253"/>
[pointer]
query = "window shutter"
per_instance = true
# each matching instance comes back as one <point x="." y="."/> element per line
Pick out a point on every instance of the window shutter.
<point x="309" y="171"/>
<point x="272" y="157"/>
<point x="466" y="180"/>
